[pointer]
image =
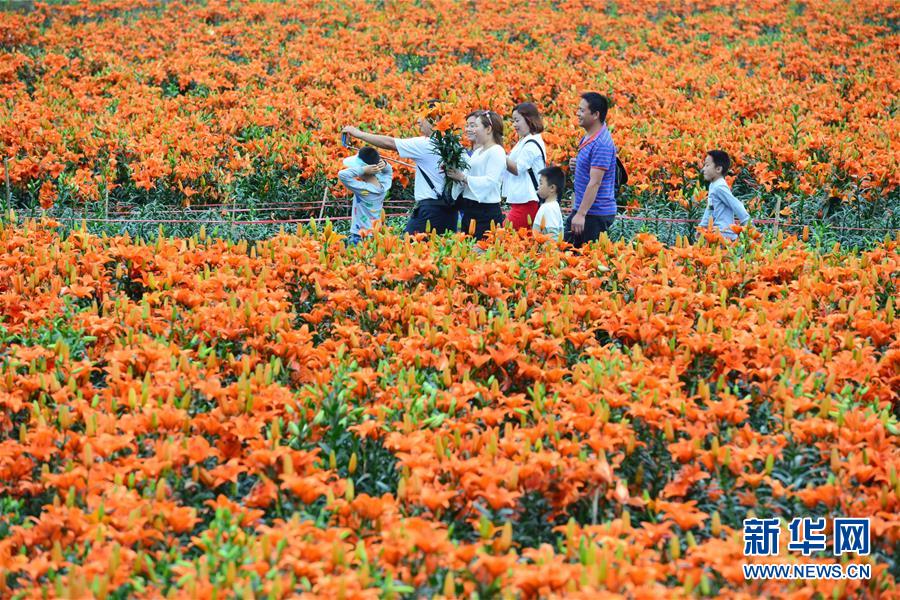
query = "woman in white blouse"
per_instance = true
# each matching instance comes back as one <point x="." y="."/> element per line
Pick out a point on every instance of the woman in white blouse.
<point x="525" y="162"/>
<point x="482" y="180"/>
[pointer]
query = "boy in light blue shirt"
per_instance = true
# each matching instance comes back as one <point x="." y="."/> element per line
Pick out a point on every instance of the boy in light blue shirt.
<point x="368" y="176"/>
<point x="721" y="204"/>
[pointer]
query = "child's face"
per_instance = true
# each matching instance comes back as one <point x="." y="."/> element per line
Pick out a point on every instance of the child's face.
<point x="709" y="169"/>
<point x="545" y="190"/>
<point x="520" y="124"/>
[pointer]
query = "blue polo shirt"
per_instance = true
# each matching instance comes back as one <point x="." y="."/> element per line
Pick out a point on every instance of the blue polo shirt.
<point x="597" y="152"/>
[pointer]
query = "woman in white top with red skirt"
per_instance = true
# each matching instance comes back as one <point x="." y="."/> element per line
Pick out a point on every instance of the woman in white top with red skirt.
<point x="481" y="181"/>
<point x="524" y="163"/>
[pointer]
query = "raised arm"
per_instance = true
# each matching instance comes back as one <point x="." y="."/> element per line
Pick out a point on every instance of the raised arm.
<point x="349" y="176"/>
<point x="373" y="139"/>
<point x="385" y="176"/>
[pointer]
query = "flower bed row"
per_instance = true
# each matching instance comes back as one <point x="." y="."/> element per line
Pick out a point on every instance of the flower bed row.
<point x="419" y="419"/>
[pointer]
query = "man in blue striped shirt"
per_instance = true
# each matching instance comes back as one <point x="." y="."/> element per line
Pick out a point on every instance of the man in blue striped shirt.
<point x="595" y="174"/>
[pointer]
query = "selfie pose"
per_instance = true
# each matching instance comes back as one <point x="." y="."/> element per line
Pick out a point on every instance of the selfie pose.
<point x="429" y="179"/>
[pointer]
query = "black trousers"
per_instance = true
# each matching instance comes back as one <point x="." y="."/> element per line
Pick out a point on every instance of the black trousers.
<point x="442" y="218"/>
<point x="482" y="215"/>
<point x="594" y="225"/>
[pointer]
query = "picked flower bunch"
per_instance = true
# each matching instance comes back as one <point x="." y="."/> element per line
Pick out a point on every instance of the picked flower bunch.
<point x="447" y="137"/>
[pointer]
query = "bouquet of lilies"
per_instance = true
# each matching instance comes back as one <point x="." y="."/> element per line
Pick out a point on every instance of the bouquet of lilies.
<point x="447" y="137"/>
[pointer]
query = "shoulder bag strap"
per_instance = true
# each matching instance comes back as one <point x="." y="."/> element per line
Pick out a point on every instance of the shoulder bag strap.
<point x="427" y="178"/>
<point x="534" y="180"/>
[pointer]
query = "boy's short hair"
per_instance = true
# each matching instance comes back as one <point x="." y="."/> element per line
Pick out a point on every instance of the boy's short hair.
<point x="556" y="178"/>
<point x="597" y="103"/>
<point x="369" y="155"/>
<point x="720" y="158"/>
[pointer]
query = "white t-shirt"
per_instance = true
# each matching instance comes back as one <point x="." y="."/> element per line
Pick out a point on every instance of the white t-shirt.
<point x="421" y="149"/>
<point x="549" y="219"/>
<point x="519" y="189"/>
<point x="485" y="175"/>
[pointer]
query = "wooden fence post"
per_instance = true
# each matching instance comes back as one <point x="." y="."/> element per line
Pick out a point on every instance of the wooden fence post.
<point x="324" y="196"/>
<point x="6" y="178"/>
<point x="777" y="213"/>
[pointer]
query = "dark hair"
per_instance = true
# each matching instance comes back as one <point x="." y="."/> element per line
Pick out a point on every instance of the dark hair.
<point x="489" y="118"/>
<point x="556" y="178"/>
<point x="720" y="158"/>
<point x="529" y="112"/>
<point x="430" y="105"/>
<point x="475" y="113"/>
<point x="369" y="155"/>
<point x="597" y="103"/>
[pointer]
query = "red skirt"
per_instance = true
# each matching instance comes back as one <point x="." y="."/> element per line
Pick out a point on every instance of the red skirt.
<point x="522" y="215"/>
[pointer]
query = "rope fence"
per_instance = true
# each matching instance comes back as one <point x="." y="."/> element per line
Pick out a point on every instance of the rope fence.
<point x="284" y="206"/>
<point x="757" y="222"/>
<point x="165" y="221"/>
<point x="407" y="205"/>
<point x="394" y="208"/>
<point x="211" y="221"/>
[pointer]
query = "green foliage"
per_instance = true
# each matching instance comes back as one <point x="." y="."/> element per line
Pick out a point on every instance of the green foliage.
<point x="411" y="62"/>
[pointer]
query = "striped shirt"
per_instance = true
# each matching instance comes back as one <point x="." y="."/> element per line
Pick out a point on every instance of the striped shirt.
<point x="597" y="152"/>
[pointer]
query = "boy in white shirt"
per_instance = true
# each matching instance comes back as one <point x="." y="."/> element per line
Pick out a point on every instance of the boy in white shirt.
<point x="549" y="219"/>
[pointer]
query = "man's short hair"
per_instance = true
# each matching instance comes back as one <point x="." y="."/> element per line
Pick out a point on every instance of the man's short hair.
<point x="597" y="103"/>
<point x="369" y="155"/>
<point x="720" y="158"/>
<point x="556" y="178"/>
